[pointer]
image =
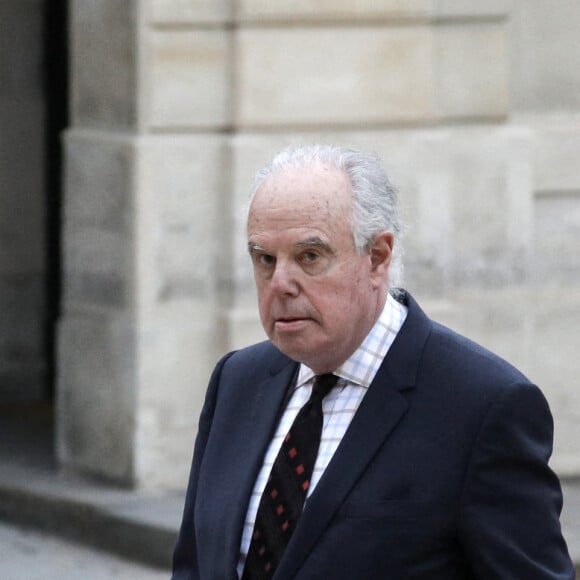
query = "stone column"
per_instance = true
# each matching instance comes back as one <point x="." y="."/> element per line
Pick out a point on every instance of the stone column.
<point x="144" y="232"/>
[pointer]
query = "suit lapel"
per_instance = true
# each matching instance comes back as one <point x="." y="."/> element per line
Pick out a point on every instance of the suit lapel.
<point x="383" y="406"/>
<point x="249" y="443"/>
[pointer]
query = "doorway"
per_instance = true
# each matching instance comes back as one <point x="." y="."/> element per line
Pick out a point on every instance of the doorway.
<point x="33" y="114"/>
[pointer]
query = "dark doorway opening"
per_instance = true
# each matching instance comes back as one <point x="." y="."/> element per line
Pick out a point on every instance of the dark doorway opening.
<point x="27" y="426"/>
<point x="55" y="84"/>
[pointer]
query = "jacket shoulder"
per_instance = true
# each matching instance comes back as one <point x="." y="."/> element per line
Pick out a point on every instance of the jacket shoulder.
<point x="442" y="355"/>
<point x="260" y="358"/>
<point x="465" y="353"/>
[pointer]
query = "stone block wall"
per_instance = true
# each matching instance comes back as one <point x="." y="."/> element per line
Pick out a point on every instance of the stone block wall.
<point x="144" y="189"/>
<point x="410" y="71"/>
<point x="193" y="96"/>
<point x="481" y="140"/>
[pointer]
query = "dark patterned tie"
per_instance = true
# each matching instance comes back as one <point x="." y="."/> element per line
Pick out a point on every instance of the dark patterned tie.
<point x="283" y="498"/>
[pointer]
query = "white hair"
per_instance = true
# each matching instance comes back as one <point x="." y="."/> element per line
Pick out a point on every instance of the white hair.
<point x="374" y="198"/>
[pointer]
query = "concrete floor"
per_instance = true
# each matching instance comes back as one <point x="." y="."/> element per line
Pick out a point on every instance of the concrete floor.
<point x="26" y="554"/>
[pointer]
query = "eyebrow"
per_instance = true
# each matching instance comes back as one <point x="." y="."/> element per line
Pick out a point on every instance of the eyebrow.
<point x="313" y="242"/>
<point x="252" y="248"/>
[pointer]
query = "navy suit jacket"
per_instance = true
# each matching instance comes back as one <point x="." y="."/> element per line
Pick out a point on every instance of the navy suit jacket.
<point x="443" y="473"/>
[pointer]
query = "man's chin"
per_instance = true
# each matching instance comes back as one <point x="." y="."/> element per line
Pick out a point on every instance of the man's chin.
<point x="312" y="355"/>
<point x="296" y="350"/>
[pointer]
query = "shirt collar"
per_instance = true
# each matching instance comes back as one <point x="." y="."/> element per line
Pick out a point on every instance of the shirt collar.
<point x="362" y="366"/>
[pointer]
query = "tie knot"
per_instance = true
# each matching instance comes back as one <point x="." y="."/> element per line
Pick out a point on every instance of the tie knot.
<point x="323" y="384"/>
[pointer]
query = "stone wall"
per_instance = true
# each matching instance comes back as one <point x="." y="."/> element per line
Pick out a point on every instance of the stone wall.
<point x="145" y="183"/>
<point x="177" y="103"/>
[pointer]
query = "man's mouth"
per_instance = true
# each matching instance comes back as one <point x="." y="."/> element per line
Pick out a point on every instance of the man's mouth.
<point x="290" y="323"/>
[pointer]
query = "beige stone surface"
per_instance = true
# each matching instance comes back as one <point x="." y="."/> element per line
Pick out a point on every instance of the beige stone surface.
<point x="303" y="76"/>
<point x="557" y="235"/>
<point x="104" y="65"/>
<point x="265" y="10"/>
<point x="333" y="9"/>
<point x="187" y="80"/>
<point x="142" y="263"/>
<point x="180" y="225"/>
<point x="557" y="198"/>
<point x="471" y="9"/>
<point x="472" y="215"/>
<point x="375" y="75"/>
<point x="96" y="391"/>
<point x="176" y="352"/>
<point x="545" y="75"/>
<point x="188" y="11"/>
<point x="556" y="153"/>
<point x="471" y="70"/>
<point x="181" y="235"/>
<point x="97" y="252"/>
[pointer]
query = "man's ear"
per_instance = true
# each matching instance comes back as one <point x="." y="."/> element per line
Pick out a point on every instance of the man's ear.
<point x="381" y="252"/>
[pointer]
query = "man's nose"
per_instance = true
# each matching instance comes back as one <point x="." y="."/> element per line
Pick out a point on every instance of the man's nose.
<point x="284" y="279"/>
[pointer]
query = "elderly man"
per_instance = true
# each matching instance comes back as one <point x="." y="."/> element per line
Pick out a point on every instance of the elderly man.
<point x="363" y="441"/>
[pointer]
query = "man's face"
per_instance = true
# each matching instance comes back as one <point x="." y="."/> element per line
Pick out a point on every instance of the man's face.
<point x="318" y="298"/>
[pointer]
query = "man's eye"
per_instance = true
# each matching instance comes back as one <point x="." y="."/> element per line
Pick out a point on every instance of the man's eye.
<point x="309" y="257"/>
<point x="265" y="260"/>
